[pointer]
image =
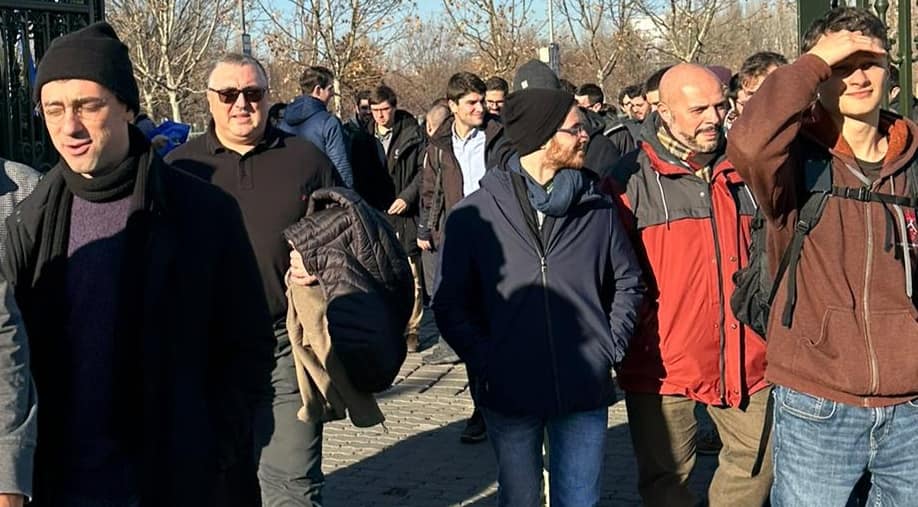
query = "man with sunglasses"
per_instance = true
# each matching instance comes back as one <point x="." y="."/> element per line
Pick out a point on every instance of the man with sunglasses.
<point x="308" y="117"/>
<point x="141" y="297"/>
<point x="271" y="174"/>
<point x="691" y="212"/>
<point x="538" y="291"/>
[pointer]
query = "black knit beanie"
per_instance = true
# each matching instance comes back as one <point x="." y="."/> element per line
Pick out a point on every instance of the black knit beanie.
<point x="94" y="53"/>
<point x="532" y="116"/>
<point x="535" y="74"/>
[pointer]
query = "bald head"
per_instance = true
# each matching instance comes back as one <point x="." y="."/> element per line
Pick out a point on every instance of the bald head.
<point x="435" y="118"/>
<point x="693" y="106"/>
<point x="686" y="75"/>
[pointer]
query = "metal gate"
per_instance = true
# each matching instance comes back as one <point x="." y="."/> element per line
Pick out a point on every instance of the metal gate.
<point x="903" y="43"/>
<point x="27" y="27"/>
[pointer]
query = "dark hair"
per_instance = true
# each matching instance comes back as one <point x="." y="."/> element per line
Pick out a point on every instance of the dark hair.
<point x="733" y="87"/>
<point x="315" y="76"/>
<point x="854" y="19"/>
<point x="593" y="93"/>
<point x="634" y="90"/>
<point x="274" y="112"/>
<point x="383" y="93"/>
<point x="461" y="84"/>
<point x="758" y="65"/>
<point x="497" y="83"/>
<point x="361" y="95"/>
<point x="239" y="60"/>
<point x="568" y="86"/>
<point x="653" y="82"/>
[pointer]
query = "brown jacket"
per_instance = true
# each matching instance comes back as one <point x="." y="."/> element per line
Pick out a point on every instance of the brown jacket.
<point x="327" y="393"/>
<point x="854" y="334"/>
<point x="441" y="181"/>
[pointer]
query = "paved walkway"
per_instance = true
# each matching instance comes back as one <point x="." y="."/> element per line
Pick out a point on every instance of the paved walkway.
<point x="417" y="460"/>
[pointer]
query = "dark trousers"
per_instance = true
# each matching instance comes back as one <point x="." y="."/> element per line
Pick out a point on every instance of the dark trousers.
<point x="289" y="450"/>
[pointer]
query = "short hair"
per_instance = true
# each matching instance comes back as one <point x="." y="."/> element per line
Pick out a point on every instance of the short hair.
<point x="461" y="84"/>
<point x="634" y="90"/>
<point x="438" y="112"/>
<point x="853" y="19"/>
<point x="497" y="83"/>
<point x="758" y="65"/>
<point x="383" y="93"/>
<point x="622" y="93"/>
<point x="361" y="95"/>
<point x="239" y="60"/>
<point x="592" y="91"/>
<point x="733" y="87"/>
<point x="652" y="83"/>
<point x="315" y="76"/>
<point x="442" y="101"/>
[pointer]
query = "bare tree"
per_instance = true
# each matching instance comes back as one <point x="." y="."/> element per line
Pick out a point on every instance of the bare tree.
<point x="347" y="36"/>
<point x="499" y="31"/>
<point x="681" y="26"/>
<point x="170" y="43"/>
<point x="601" y="33"/>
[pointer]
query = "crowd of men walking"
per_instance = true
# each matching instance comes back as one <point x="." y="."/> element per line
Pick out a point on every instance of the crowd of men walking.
<point x="176" y="331"/>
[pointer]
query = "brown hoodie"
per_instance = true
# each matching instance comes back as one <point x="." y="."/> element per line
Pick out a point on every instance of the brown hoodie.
<point x="854" y="335"/>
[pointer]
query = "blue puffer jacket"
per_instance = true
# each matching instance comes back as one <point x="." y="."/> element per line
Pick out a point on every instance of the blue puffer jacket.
<point x="308" y="117"/>
<point x="540" y="317"/>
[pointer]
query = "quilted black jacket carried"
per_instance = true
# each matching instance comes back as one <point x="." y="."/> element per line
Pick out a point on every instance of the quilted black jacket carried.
<point x="363" y="270"/>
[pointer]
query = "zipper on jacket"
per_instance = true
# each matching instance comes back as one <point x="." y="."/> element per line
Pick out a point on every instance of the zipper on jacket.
<point x="722" y="384"/>
<point x="871" y="354"/>
<point x="543" y="267"/>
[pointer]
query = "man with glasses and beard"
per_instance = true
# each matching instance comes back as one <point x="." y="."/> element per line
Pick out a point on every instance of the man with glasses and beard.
<point x="691" y="214"/>
<point x="270" y="174"/>
<point x="538" y="291"/>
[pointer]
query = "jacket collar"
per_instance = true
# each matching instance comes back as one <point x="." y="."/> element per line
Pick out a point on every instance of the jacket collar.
<point x="901" y="135"/>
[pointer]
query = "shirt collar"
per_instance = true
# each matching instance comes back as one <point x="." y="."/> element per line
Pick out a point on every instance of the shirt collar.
<point x="471" y="135"/>
<point x="270" y="139"/>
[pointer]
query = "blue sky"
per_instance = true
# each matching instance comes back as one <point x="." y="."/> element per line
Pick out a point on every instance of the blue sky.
<point x="428" y="8"/>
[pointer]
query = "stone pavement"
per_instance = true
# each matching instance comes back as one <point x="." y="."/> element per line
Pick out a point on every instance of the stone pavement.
<point x="417" y="460"/>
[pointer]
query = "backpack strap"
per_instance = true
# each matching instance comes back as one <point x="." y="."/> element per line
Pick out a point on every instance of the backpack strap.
<point x="818" y="183"/>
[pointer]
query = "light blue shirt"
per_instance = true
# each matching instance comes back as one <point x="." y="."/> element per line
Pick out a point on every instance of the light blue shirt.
<point x="470" y="152"/>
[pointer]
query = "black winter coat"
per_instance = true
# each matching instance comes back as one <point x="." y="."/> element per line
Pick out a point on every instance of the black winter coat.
<point x="366" y="279"/>
<point x="403" y="162"/>
<point x="206" y="349"/>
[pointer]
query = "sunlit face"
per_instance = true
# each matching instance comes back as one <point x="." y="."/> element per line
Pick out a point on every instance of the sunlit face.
<point x="695" y="115"/>
<point x="87" y="124"/>
<point x="494" y="99"/>
<point x="363" y="111"/>
<point x="243" y="120"/>
<point x="469" y="110"/>
<point x="748" y="88"/>
<point x="856" y="87"/>
<point x="626" y="106"/>
<point x="567" y="148"/>
<point x="653" y="99"/>
<point x="640" y="108"/>
<point x="383" y="114"/>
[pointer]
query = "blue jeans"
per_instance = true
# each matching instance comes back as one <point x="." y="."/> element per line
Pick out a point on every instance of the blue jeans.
<point x="576" y="445"/>
<point x="821" y="449"/>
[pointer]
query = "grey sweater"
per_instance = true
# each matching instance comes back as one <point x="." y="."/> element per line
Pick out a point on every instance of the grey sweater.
<point x="17" y="391"/>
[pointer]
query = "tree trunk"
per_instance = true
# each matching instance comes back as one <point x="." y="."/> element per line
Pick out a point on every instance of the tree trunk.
<point x="174" y="103"/>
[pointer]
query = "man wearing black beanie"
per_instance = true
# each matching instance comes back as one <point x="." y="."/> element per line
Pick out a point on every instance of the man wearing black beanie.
<point x="142" y="302"/>
<point x="538" y="291"/>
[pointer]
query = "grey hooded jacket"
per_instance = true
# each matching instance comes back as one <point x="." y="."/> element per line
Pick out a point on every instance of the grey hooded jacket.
<point x="18" y="406"/>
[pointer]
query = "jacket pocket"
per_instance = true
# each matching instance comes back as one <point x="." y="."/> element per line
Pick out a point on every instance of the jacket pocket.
<point x="895" y="342"/>
<point x="834" y="353"/>
<point x="806" y="406"/>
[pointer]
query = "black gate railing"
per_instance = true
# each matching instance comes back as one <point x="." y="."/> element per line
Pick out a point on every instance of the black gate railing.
<point x="26" y="30"/>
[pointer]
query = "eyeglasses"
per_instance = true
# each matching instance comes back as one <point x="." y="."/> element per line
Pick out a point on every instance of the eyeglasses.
<point x="89" y="109"/>
<point x="229" y="95"/>
<point x="575" y="131"/>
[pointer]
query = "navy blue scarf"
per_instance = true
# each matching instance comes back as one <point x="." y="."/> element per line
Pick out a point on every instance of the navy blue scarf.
<point x="556" y="198"/>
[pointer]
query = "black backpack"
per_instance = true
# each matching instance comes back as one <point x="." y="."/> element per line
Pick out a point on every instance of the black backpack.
<point x="755" y="288"/>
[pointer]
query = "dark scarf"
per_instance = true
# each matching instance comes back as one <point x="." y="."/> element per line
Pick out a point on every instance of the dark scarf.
<point x="130" y="176"/>
<point x="555" y="198"/>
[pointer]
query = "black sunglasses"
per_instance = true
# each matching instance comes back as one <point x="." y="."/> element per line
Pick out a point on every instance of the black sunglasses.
<point x="229" y="95"/>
